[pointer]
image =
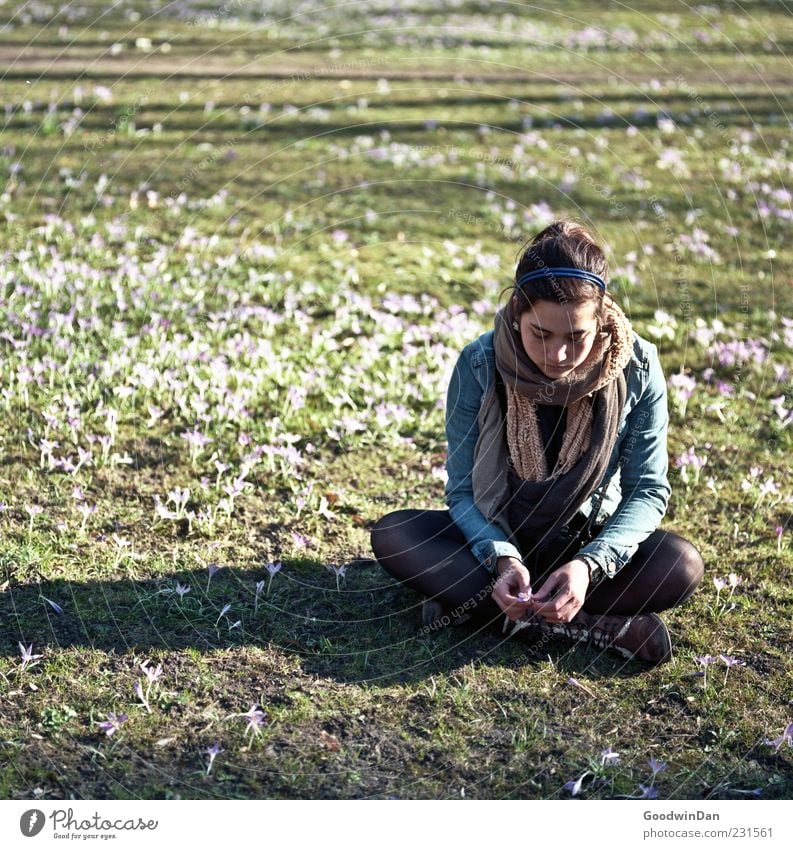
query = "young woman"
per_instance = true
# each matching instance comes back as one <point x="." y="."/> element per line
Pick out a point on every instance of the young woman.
<point x="556" y="423"/>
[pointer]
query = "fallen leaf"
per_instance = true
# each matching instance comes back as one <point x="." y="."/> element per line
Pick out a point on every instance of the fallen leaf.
<point x="329" y="741"/>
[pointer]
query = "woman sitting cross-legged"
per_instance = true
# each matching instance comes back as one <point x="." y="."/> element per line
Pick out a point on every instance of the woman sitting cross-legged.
<point x="556" y="422"/>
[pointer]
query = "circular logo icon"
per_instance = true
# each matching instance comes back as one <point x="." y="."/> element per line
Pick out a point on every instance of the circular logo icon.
<point x="31" y="822"/>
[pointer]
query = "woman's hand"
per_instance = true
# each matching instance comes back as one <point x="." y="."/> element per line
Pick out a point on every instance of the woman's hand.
<point x="562" y="594"/>
<point x="513" y="579"/>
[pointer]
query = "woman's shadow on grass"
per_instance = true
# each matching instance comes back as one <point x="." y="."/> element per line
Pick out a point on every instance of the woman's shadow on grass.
<point x="356" y="626"/>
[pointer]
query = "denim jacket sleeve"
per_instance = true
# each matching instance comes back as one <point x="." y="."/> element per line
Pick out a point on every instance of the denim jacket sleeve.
<point x="488" y="541"/>
<point x="643" y="466"/>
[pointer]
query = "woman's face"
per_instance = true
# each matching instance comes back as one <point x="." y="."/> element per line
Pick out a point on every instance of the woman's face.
<point x="558" y="337"/>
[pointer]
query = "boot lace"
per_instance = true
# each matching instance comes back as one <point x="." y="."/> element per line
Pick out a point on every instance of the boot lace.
<point x="604" y="633"/>
<point x="608" y="630"/>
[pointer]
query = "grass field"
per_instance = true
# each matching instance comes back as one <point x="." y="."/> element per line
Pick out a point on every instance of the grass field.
<point x="243" y="246"/>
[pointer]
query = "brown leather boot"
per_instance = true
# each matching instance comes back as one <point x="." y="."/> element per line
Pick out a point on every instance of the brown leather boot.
<point x="642" y="637"/>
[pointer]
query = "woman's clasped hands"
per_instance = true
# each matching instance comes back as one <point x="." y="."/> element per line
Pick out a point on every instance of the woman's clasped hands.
<point x="559" y="598"/>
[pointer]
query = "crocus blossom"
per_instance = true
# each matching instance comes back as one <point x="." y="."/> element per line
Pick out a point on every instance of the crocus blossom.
<point x="152" y="674"/>
<point x="54" y="605"/>
<point x="212" y="569"/>
<point x="181" y="590"/>
<point x="785" y="738"/>
<point x="213" y="751"/>
<point x="113" y="723"/>
<point x="28" y="658"/>
<point x="272" y="568"/>
<point x="223" y="612"/>
<point x="704" y="661"/>
<point x="575" y="786"/>
<point x="730" y="661"/>
<point x="259" y="588"/>
<point x="255" y="717"/>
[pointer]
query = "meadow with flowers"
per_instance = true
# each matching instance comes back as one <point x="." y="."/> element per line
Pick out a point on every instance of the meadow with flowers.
<point x="242" y="247"/>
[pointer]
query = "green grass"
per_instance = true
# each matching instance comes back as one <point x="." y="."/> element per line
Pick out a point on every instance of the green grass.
<point x="229" y="290"/>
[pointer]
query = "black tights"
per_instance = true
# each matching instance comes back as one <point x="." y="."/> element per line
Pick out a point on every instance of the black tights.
<point x="425" y="550"/>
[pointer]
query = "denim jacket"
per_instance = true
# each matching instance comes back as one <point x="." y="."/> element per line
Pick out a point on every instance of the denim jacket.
<point x="635" y="489"/>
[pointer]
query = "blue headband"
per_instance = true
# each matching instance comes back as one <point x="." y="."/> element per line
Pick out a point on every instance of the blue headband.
<point x="545" y="271"/>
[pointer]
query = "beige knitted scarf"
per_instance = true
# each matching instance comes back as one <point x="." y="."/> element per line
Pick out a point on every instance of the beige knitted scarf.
<point x="594" y="394"/>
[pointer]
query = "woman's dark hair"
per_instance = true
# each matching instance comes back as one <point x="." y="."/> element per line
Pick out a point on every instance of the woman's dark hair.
<point x="562" y="244"/>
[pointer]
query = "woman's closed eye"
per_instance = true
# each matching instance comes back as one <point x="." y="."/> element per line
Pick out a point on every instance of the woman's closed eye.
<point x="572" y="338"/>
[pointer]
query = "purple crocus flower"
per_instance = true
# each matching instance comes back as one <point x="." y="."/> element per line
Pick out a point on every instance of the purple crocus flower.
<point x="648" y="792"/>
<point x="56" y="607"/>
<point x="33" y="510"/>
<point x="786" y="737"/>
<point x="272" y="568"/>
<point x="85" y="510"/>
<point x="300" y="540"/>
<point x="196" y="440"/>
<point x="223" y="612"/>
<point x="235" y="488"/>
<point x="213" y="751"/>
<point x="259" y="588"/>
<point x="574" y="787"/>
<point x="255" y="717"/>
<point x="730" y="661"/>
<point x="339" y="572"/>
<point x="768" y="486"/>
<point x="704" y="661"/>
<point x="152" y="675"/>
<point x="113" y="723"/>
<point x="656" y="766"/>
<point x="27" y="655"/>
<point x="212" y="569"/>
<point x="682" y="386"/>
<point x="608" y="757"/>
